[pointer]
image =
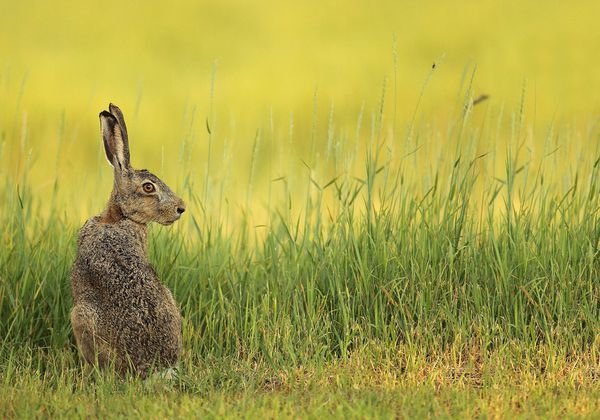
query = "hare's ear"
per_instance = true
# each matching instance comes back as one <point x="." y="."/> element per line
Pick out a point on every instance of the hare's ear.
<point x="116" y="111"/>
<point x="115" y="143"/>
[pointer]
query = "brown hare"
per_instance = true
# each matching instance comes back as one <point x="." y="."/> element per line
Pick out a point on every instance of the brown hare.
<point x="122" y="313"/>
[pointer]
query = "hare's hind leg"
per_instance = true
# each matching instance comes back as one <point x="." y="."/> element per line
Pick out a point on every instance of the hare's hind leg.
<point x="94" y="348"/>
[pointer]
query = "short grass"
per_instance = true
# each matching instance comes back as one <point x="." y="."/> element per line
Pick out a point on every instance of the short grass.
<point x="363" y="385"/>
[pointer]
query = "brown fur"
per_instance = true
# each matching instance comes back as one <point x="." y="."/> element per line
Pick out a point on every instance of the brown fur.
<point x="122" y="313"/>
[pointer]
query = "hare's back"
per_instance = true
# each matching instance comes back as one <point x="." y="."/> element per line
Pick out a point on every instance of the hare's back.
<point x="111" y="260"/>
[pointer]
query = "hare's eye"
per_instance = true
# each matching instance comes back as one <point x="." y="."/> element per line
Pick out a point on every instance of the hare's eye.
<point x="148" y="187"/>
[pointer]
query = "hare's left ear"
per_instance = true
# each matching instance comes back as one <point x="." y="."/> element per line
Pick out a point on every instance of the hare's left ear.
<point x="115" y="141"/>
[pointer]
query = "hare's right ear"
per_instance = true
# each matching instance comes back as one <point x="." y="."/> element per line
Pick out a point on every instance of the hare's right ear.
<point x="118" y="114"/>
<point x="115" y="142"/>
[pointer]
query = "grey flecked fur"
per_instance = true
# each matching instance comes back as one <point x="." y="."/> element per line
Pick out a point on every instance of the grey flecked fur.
<point x="122" y="313"/>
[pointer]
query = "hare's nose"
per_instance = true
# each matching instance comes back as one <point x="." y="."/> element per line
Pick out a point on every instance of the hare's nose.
<point x="180" y="209"/>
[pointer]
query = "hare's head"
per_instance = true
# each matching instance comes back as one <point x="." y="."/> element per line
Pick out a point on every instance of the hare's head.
<point x="138" y="195"/>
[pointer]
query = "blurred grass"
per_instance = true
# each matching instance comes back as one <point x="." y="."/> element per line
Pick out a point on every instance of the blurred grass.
<point x="284" y="70"/>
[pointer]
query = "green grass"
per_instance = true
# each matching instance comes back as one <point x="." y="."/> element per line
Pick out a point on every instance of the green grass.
<point x="363" y="294"/>
<point x="359" y="386"/>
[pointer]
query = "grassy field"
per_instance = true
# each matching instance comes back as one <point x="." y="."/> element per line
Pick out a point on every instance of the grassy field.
<point x="363" y="237"/>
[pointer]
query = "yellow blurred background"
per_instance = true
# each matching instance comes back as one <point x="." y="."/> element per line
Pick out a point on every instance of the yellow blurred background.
<point x="297" y="76"/>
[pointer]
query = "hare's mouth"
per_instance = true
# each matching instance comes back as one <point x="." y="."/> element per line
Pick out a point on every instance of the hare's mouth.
<point x="170" y="221"/>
